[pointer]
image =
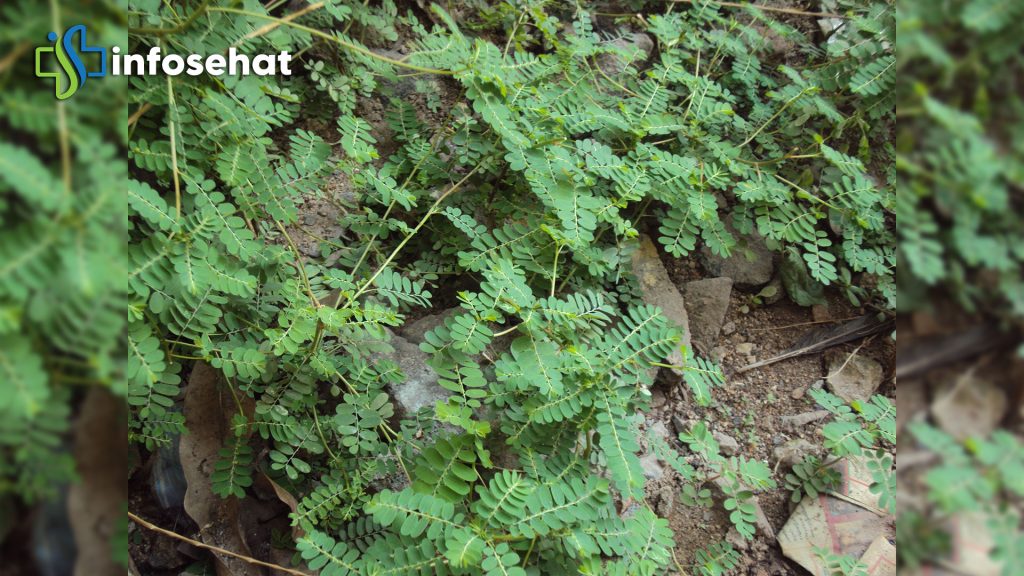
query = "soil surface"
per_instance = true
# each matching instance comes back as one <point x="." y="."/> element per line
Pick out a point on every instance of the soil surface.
<point x="749" y="408"/>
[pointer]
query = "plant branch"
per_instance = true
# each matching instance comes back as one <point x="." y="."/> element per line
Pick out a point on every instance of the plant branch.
<point x="202" y="9"/>
<point x="394" y="253"/>
<point x="174" y="148"/>
<point x="343" y="43"/>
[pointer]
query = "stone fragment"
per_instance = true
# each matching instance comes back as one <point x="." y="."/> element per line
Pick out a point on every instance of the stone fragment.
<point x="630" y="48"/>
<point x="750" y="265"/>
<point x="793" y="452"/>
<point x="658" y="290"/>
<point x="801" y="420"/>
<point x="651" y="467"/>
<point x="973" y="407"/>
<point x="852" y="376"/>
<point x="728" y="445"/>
<point x="707" y="301"/>
<point x="680" y="425"/>
<point x="745" y="348"/>
<point x="657" y="430"/>
<point x="419" y="388"/>
<point x="664" y="500"/>
<point x="658" y="398"/>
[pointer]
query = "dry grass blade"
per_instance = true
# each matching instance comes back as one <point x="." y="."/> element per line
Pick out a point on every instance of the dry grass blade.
<point x="150" y="526"/>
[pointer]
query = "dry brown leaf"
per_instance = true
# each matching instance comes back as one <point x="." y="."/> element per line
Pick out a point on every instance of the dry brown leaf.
<point x="208" y="409"/>
<point x="96" y="502"/>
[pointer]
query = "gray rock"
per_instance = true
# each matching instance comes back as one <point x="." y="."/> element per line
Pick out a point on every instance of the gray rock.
<point x="664" y="500"/>
<point x="801" y="420"/>
<point x="973" y="407"/>
<point x="658" y="290"/>
<point x="658" y="398"/>
<point x="728" y="328"/>
<point x="629" y="48"/>
<point x="852" y="377"/>
<point x="737" y="540"/>
<point x="718" y="354"/>
<point x="404" y="85"/>
<point x="750" y="265"/>
<point x="657" y="430"/>
<point x="745" y="348"/>
<point x="419" y="388"/>
<point x="707" y="301"/>
<point x="793" y="452"/>
<point x="651" y="467"/>
<point x="728" y="444"/>
<point x="680" y="425"/>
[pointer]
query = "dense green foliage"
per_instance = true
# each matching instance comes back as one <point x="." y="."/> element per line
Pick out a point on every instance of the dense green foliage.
<point x="532" y="190"/>
<point x="960" y="165"/>
<point x="977" y="477"/>
<point x="63" y="224"/>
<point x="960" y="157"/>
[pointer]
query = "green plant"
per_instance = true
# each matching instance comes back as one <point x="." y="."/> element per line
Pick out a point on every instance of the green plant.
<point x="532" y="189"/>
<point x="840" y="565"/>
<point x="859" y="429"/>
<point x="811" y="477"/>
<point x="716" y="560"/>
<point x="736" y="477"/>
<point x="959" y="159"/>
<point x="921" y="540"/>
<point x="63" y="225"/>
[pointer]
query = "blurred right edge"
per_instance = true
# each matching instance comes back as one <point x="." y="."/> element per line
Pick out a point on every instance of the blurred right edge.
<point x="960" y="168"/>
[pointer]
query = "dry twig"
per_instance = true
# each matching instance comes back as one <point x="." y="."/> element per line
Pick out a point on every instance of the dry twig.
<point x="150" y="526"/>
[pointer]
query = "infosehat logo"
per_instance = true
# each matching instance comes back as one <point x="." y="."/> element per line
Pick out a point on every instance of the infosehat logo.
<point x="73" y="45"/>
<point x="69" y="57"/>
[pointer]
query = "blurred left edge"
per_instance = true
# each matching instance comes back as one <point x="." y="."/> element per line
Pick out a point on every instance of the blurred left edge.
<point x="64" y="266"/>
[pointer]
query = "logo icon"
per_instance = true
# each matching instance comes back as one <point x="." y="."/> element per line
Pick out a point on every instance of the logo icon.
<point x="69" y="56"/>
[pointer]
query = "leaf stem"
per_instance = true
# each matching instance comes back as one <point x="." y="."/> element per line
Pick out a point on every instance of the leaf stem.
<point x="394" y="253"/>
<point x="175" y="29"/>
<point x="298" y="264"/>
<point x="171" y="106"/>
<point x="343" y="43"/>
<point x="774" y="116"/>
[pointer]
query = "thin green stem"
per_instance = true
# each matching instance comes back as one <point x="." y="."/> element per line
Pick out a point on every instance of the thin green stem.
<point x="202" y="9"/>
<point x="554" y="268"/>
<point x="62" y="120"/>
<point x="773" y="117"/>
<point x="174" y="148"/>
<point x="343" y="43"/>
<point x="320" y="432"/>
<point x="298" y="264"/>
<point x="394" y="253"/>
